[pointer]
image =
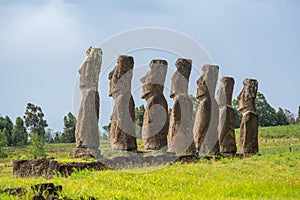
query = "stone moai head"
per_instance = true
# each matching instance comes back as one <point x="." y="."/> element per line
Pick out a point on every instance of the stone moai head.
<point x="180" y="79"/>
<point x="225" y="91"/>
<point x="248" y="95"/>
<point x="153" y="82"/>
<point x="120" y="77"/>
<point x="210" y="74"/>
<point x="202" y="89"/>
<point x="89" y="71"/>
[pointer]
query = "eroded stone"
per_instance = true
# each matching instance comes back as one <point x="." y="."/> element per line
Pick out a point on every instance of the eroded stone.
<point x="87" y="135"/>
<point x="122" y="130"/>
<point x="226" y="117"/>
<point x="203" y="114"/>
<point x="249" y="126"/>
<point x="180" y="135"/>
<point x="211" y="141"/>
<point x="155" y="123"/>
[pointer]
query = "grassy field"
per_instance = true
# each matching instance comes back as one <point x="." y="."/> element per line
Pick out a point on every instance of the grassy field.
<point x="273" y="175"/>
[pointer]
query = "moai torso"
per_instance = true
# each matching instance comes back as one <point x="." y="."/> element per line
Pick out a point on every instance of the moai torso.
<point x="226" y="116"/>
<point x="122" y="129"/>
<point x="180" y="135"/>
<point x="86" y="133"/>
<point x="155" y="123"/>
<point x="211" y="141"/>
<point x="249" y="126"/>
<point x="203" y="114"/>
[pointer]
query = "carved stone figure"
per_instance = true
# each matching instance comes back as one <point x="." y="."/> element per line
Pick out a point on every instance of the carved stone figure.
<point x="211" y="141"/>
<point x="203" y="115"/>
<point x="249" y="126"/>
<point x="180" y="136"/>
<point x="155" y="124"/>
<point x="87" y="135"/>
<point x="226" y="116"/>
<point x="122" y="129"/>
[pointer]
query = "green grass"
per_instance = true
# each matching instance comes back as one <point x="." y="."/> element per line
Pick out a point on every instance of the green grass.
<point x="273" y="175"/>
<point x="265" y="177"/>
<point x="290" y="131"/>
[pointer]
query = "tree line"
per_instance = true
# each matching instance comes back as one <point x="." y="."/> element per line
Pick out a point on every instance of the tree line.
<point x="31" y="129"/>
<point x="267" y="115"/>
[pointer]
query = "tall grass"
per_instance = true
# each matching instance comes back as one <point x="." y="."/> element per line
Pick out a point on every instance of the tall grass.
<point x="273" y="175"/>
<point x="260" y="177"/>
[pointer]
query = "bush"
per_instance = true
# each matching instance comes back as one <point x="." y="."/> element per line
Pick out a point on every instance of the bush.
<point x="36" y="148"/>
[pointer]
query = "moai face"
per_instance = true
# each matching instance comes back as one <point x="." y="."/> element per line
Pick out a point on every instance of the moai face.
<point x="225" y="91"/>
<point x="202" y="89"/>
<point x="89" y="71"/>
<point x="210" y="74"/>
<point x="180" y="78"/>
<point x="153" y="81"/>
<point x="120" y="77"/>
<point x="248" y="95"/>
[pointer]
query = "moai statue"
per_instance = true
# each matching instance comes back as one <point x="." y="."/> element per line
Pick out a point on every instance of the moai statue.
<point x="211" y="141"/>
<point x="122" y="129"/>
<point x="203" y="115"/>
<point x="180" y="136"/>
<point x="86" y="133"/>
<point x="249" y="126"/>
<point x="155" y="124"/>
<point x="226" y="116"/>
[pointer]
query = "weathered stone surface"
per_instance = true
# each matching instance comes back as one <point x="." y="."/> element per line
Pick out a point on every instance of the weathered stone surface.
<point x="34" y="168"/>
<point x="226" y="116"/>
<point x="48" y="189"/>
<point x="84" y="153"/>
<point x="249" y="126"/>
<point x="211" y="141"/>
<point x="38" y="196"/>
<point x="155" y="124"/>
<point x="86" y="132"/>
<point x="46" y="168"/>
<point x="16" y="191"/>
<point x="180" y="136"/>
<point x="203" y="115"/>
<point x="122" y="129"/>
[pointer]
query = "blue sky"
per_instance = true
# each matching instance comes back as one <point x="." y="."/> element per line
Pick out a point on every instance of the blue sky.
<point x="43" y="43"/>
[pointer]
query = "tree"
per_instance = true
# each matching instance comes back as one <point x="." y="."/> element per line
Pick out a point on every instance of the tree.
<point x="298" y="118"/>
<point x="49" y="136"/>
<point x="289" y="116"/>
<point x="36" y="148"/>
<point x="3" y="143"/>
<point x="237" y="115"/>
<point x="68" y="136"/>
<point x="281" y="117"/>
<point x="106" y="131"/>
<point x="34" y="120"/>
<point x="139" y="118"/>
<point x="266" y="113"/>
<point x="57" y="137"/>
<point x="6" y="126"/>
<point x="19" y="134"/>
<point x="195" y="105"/>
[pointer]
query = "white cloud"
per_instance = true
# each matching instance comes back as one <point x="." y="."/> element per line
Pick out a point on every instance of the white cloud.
<point x="35" y="32"/>
<point x="44" y="42"/>
<point x="41" y="49"/>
